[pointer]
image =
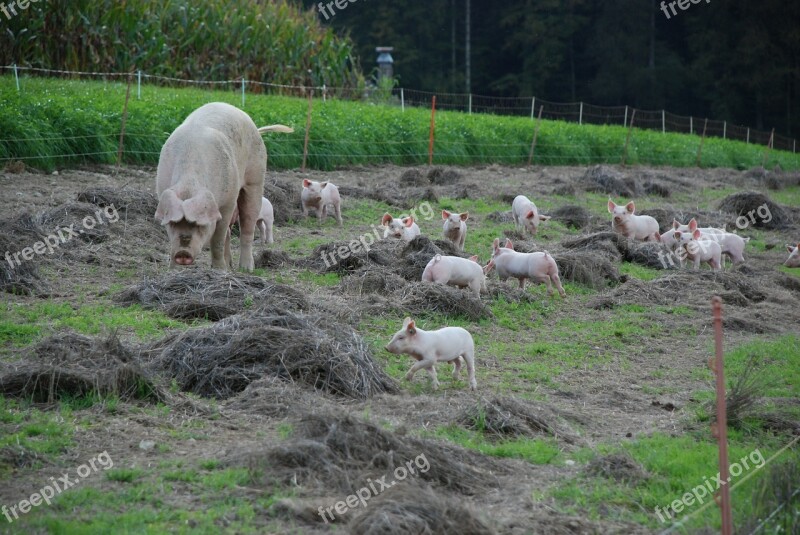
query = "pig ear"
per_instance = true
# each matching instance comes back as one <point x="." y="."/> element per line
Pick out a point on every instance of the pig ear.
<point x="790" y="248"/>
<point x="464" y="216"/>
<point x="529" y="215"/>
<point x="474" y="258"/>
<point x="170" y="208"/>
<point x="411" y="328"/>
<point x="306" y="182"/>
<point x="658" y="236"/>
<point x="445" y="214"/>
<point x="509" y="245"/>
<point x="322" y="185"/>
<point x="675" y="224"/>
<point x="544" y="217"/>
<point x="202" y="209"/>
<point x="630" y="207"/>
<point x="406" y="321"/>
<point x="696" y="234"/>
<point x="386" y="219"/>
<point x="496" y="243"/>
<point x="693" y="224"/>
<point x="409" y="221"/>
<point x="611" y="206"/>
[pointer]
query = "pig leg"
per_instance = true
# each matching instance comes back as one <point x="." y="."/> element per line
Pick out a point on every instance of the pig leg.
<point x="434" y="380"/>
<point x="424" y="363"/>
<point x="469" y="358"/>
<point x="249" y="208"/>
<point x="557" y="281"/>
<point x="337" y="207"/>
<point x="270" y="238"/>
<point x="305" y="210"/>
<point x="475" y="286"/>
<point x="522" y="283"/>
<point x="322" y="212"/>
<point x="456" y="368"/>
<point x="262" y="227"/>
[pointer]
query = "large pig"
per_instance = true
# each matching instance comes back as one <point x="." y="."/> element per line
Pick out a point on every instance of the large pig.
<point x="265" y="222"/>
<point x="539" y="267"/>
<point x="456" y="271"/>
<point x="639" y="227"/>
<point x="794" y="256"/>
<point x="455" y="228"/>
<point x="404" y="228"/>
<point x="698" y="250"/>
<point x="430" y="347"/>
<point x="318" y="196"/>
<point x="211" y="164"/>
<point x="525" y="214"/>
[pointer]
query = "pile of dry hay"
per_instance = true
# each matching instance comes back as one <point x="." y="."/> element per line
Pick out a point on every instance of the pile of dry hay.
<point x="15" y="235"/>
<point x="571" y="216"/>
<point x="285" y="199"/>
<point x="505" y="417"/>
<point x="72" y="365"/>
<point x="602" y="179"/>
<point x="424" y="297"/>
<point x="129" y="203"/>
<point x="617" y="466"/>
<point x="617" y="248"/>
<point x="223" y="359"/>
<point x="747" y="204"/>
<point x="336" y="451"/>
<point x="209" y="293"/>
<point x="588" y="268"/>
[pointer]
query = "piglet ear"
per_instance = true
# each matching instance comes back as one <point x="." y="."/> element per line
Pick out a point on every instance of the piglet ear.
<point x="529" y="215"/>
<point x="696" y="234"/>
<point x="306" y="182"/>
<point x="509" y="245"/>
<point x="692" y="224"/>
<point x="630" y="207"/>
<point x="611" y="206"/>
<point x="386" y="219"/>
<point x="323" y="185"/>
<point x="496" y="243"/>
<point x="409" y="221"/>
<point x="170" y="208"/>
<point x="790" y="248"/>
<point x="544" y="217"/>
<point x="202" y="209"/>
<point x="445" y="214"/>
<point x="474" y="258"/>
<point x="464" y="216"/>
<point x="411" y="328"/>
<point x="675" y="224"/>
<point x="406" y="321"/>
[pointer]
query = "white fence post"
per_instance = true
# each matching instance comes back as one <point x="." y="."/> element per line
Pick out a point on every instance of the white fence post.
<point x="16" y="76"/>
<point x="580" y="115"/>
<point x="470" y="103"/>
<point x="625" y="120"/>
<point x="139" y="85"/>
<point x="724" y="129"/>
<point x="533" y="107"/>
<point x="402" y="100"/>
<point x="691" y="124"/>
<point x="663" y="122"/>
<point x="748" y="136"/>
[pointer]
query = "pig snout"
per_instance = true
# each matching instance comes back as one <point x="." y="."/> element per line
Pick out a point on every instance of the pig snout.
<point x="184" y="258"/>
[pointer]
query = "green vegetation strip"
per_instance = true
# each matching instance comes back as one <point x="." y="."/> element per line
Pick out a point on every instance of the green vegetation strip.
<point x="53" y="123"/>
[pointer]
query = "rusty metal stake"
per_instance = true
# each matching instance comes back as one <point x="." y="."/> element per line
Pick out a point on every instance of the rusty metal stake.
<point x="720" y="429"/>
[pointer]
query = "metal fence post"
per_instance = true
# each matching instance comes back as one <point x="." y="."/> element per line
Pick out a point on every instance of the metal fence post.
<point x="139" y="85"/>
<point x="580" y="115"/>
<point x="663" y="122"/>
<point x="243" y="82"/>
<point x="625" y="120"/>
<point x="16" y="76"/>
<point x="402" y="100"/>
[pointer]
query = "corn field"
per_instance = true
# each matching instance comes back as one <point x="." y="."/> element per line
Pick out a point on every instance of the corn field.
<point x="266" y="41"/>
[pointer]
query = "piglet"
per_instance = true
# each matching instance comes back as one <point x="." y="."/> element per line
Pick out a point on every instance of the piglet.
<point x="639" y="227"/>
<point x="265" y="221"/>
<point x="698" y="250"/>
<point x="731" y="245"/>
<point x="456" y="271"/>
<point x="525" y="214"/>
<point x="668" y="238"/>
<point x="430" y="347"/>
<point x="318" y="196"/>
<point x="455" y="228"/>
<point x="404" y="228"/>
<point x="794" y="256"/>
<point x="539" y="267"/>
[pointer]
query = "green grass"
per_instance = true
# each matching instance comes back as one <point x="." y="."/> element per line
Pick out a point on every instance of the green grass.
<point x="639" y="272"/>
<point x="35" y="123"/>
<point x="535" y="451"/>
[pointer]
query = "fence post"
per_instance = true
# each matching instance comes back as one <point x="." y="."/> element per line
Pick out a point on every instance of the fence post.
<point x="719" y="429"/>
<point x="16" y="76"/>
<point x="402" y="100"/>
<point x="470" y="103"/>
<point x="324" y="92"/>
<point x="724" y="129"/>
<point x="691" y="124"/>
<point x="124" y="120"/>
<point x="243" y="82"/>
<point x="628" y="138"/>
<point x="663" y="122"/>
<point x="533" y="108"/>
<point x="535" y="135"/>
<point x="702" y="140"/>
<point x="433" y="124"/>
<point x="139" y="85"/>
<point x="580" y="115"/>
<point x="794" y="145"/>
<point x="625" y="120"/>
<point x="769" y="146"/>
<point x="308" y="129"/>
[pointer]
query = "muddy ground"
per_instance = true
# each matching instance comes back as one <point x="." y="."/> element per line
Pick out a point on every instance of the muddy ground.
<point x="607" y="403"/>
